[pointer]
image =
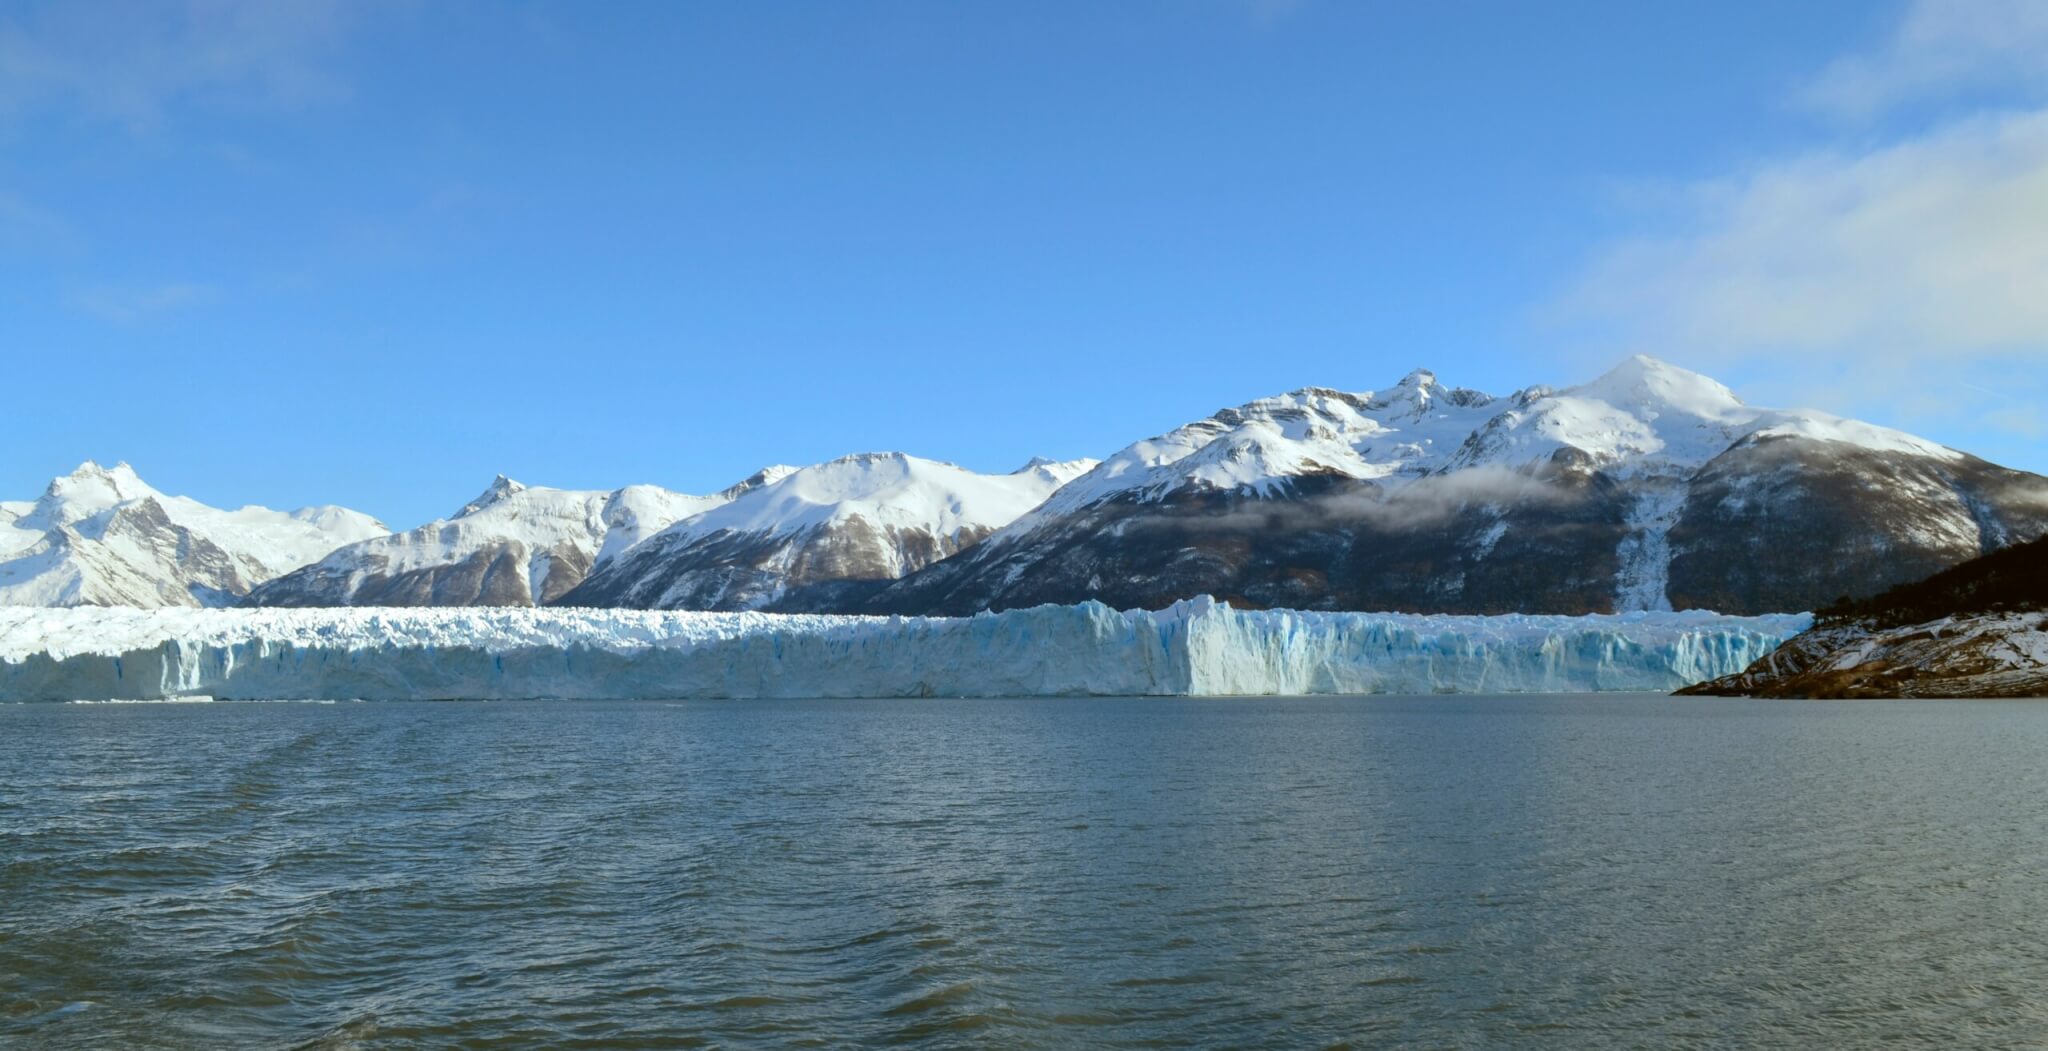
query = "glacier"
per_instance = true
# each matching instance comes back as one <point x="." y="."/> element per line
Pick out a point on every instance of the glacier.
<point x="1198" y="647"/>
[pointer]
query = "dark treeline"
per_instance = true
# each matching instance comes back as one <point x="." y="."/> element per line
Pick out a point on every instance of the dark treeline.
<point x="2007" y="580"/>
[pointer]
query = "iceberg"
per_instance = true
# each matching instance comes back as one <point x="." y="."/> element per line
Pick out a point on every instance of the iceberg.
<point x="1198" y="647"/>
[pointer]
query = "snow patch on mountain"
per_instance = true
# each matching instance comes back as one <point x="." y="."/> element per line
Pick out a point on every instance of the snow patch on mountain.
<point x="1643" y="416"/>
<point x="1406" y="431"/>
<point x="887" y="490"/>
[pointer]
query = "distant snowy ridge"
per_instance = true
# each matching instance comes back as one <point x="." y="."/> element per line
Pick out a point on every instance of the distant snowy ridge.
<point x="100" y="536"/>
<point x="514" y="545"/>
<point x="818" y="537"/>
<point x="1196" y="648"/>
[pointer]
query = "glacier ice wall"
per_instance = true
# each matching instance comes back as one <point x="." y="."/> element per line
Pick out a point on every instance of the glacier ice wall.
<point x="1198" y="647"/>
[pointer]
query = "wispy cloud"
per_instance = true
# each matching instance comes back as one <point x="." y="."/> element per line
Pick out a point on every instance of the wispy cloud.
<point x="134" y="62"/>
<point x="30" y="229"/>
<point x="1938" y="244"/>
<point x="1937" y="48"/>
<point x="1898" y="270"/>
<point x="130" y="304"/>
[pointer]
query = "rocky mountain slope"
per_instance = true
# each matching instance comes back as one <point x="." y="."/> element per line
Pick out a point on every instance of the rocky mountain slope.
<point x="1979" y="629"/>
<point x="820" y="538"/>
<point x="1649" y="488"/>
<point x="100" y="536"/>
<point x="515" y="545"/>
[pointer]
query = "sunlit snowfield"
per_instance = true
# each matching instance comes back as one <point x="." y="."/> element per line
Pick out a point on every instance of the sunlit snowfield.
<point x="1569" y="872"/>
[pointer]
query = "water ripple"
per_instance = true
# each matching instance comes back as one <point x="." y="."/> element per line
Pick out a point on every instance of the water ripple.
<point x="1458" y="872"/>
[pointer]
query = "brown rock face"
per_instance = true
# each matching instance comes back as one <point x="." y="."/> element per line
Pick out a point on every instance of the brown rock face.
<point x="1772" y="525"/>
<point x="494" y="575"/>
<point x="1323" y="543"/>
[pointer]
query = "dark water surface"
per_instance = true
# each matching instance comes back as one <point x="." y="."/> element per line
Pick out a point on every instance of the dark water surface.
<point x="1462" y="872"/>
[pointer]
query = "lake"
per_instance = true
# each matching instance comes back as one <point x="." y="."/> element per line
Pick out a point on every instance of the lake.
<point x="1442" y="871"/>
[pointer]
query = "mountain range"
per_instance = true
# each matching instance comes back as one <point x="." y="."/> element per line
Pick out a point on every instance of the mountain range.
<point x="1650" y="487"/>
<point x="514" y="545"/>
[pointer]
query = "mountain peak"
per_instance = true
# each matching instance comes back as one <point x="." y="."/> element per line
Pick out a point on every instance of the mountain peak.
<point x="884" y="488"/>
<point x="121" y="472"/>
<point x="1060" y="472"/>
<point x="768" y="475"/>
<point x="1641" y="381"/>
<point x="1418" y="389"/>
<point x="500" y="488"/>
<point x="102" y="536"/>
<point x="862" y="459"/>
<point x="859" y="472"/>
<point x="93" y="487"/>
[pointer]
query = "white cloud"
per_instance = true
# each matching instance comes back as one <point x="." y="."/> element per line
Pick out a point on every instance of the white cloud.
<point x="1939" y="47"/>
<point x="132" y="62"/>
<point x="1937" y="245"/>
<point x="1901" y="277"/>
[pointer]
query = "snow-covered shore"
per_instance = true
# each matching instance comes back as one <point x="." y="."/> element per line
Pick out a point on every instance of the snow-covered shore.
<point x="1193" y="648"/>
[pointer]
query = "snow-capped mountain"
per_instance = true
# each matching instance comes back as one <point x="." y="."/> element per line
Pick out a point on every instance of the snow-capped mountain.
<point x="100" y="536"/>
<point x="515" y="545"/>
<point x="1647" y="488"/>
<point x="820" y="537"/>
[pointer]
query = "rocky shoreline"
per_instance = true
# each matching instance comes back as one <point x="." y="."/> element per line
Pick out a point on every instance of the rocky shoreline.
<point x="1980" y="655"/>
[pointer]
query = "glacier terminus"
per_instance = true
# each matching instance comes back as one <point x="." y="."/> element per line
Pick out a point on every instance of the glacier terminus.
<point x="1197" y="647"/>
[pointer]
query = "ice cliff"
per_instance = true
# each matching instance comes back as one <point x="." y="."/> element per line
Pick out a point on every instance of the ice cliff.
<point x="1193" y="648"/>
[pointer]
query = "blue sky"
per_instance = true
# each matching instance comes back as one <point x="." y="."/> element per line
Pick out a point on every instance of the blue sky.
<point x="374" y="253"/>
